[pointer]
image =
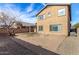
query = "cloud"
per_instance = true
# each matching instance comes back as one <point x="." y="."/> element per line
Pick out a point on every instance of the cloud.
<point x="29" y="8"/>
<point x="14" y="11"/>
<point x="10" y="9"/>
<point x="30" y="20"/>
<point x="25" y="15"/>
<point x="33" y="13"/>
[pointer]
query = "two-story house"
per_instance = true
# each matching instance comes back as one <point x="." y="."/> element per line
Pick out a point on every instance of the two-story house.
<point x="54" y="19"/>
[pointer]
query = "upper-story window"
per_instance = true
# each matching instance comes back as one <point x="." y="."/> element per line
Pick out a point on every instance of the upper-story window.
<point x="49" y="14"/>
<point x="61" y="12"/>
<point x="41" y="17"/>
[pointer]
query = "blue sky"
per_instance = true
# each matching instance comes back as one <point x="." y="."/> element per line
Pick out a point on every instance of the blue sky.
<point x="26" y="11"/>
<point x="75" y="12"/>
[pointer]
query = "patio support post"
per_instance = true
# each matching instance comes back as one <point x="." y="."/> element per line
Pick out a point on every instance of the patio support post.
<point x="29" y="29"/>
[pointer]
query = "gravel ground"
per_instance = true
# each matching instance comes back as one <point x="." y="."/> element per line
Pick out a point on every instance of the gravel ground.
<point x="10" y="47"/>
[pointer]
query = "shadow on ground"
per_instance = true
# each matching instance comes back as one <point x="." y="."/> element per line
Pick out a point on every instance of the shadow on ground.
<point x="36" y="49"/>
<point x="10" y="45"/>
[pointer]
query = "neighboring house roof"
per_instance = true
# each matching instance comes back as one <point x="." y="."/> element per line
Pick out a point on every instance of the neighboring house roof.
<point x="51" y="4"/>
<point x="26" y="24"/>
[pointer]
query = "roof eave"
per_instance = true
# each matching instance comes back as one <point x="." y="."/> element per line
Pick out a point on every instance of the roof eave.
<point x="52" y="5"/>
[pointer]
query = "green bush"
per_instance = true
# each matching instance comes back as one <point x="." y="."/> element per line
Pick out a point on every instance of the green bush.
<point x="76" y="25"/>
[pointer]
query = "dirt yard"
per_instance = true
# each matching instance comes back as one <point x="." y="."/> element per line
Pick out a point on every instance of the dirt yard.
<point x="58" y="44"/>
<point x="70" y="46"/>
<point x="49" y="42"/>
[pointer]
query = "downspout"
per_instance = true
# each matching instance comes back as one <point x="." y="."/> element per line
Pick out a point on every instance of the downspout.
<point x="69" y="20"/>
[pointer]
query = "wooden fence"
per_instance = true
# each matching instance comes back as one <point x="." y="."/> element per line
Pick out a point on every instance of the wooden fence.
<point x="16" y="30"/>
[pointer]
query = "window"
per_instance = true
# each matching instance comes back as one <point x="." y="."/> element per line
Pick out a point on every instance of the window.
<point x="61" y="12"/>
<point x="41" y="17"/>
<point x="40" y="28"/>
<point x="49" y="14"/>
<point x="55" y="27"/>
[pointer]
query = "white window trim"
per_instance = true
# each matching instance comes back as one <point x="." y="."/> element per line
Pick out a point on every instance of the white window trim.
<point x="49" y="14"/>
<point x="41" y="16"/>
<point x="59" y="27"/>
<point x="62" y="10"/>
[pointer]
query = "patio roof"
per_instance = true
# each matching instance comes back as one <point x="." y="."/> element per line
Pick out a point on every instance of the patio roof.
<point x="26" y="23"/>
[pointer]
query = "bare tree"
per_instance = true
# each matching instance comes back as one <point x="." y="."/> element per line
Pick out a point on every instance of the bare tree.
<point x="7" y="21"/>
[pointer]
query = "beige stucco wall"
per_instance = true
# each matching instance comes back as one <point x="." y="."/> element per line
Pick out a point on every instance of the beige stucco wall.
<point x="54" y="19"/>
